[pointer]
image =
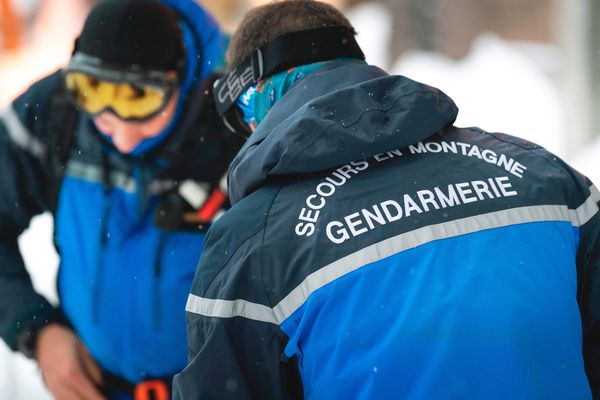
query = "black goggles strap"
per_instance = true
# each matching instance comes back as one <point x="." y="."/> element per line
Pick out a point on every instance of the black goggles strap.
<point x="96" y="67"/>
<point x="284" y="52"/>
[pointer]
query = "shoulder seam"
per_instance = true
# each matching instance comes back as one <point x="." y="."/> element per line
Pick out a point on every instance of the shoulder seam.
<point x="209" y="284"/>
<point x="20" y="134"/>
<point x="250" y="236"/>
<point x="544" y="157"/>
<point x="262" y="243"/>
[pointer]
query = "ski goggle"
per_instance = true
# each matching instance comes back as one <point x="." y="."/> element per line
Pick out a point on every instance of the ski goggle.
<point x="131" y="96"/>
<point x="284" y="52"/>
<point x="246" y="104"/>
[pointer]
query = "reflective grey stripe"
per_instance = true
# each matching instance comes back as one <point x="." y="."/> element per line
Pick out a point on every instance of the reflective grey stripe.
<point x="20" y="135"/>
<point x="230" y="309"/>
<point x="386" y="248"/>
<point x="158" y="186"/>
<point x="93" y="173"/>
<point x="595" y="193"/>
<point x="587" y="210"/>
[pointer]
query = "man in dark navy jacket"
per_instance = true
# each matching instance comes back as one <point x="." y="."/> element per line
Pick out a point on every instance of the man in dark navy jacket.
<point x="376" y="251"/>
<point x="121" y="147"/>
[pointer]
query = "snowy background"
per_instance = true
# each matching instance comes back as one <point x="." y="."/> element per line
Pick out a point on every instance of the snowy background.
<point x="512" y="85"/>
<point x="19" y="377"/>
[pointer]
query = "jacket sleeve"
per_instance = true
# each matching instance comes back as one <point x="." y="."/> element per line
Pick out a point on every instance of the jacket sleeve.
<point x="588" y="261"/>
<point x="235" y="345"/>
<point x="22" y="195"/>
<point x="235" y="358"/>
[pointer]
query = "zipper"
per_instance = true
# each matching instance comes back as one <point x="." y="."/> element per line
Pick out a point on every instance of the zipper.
<point x="104" y="236"/>
<point x="156" y="272"/>
<point x="141" y="178"/>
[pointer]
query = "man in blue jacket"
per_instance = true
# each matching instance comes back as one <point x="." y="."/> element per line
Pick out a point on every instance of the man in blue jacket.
<point x="122" y="147"/>
<point x="376" y="251"/>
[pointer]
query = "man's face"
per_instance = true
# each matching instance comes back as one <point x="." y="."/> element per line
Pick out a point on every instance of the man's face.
<point x="127" y="135"/>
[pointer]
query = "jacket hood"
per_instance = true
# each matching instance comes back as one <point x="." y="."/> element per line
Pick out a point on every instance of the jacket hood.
<point x="203" y="40"/>
<point x="344" y="112"/>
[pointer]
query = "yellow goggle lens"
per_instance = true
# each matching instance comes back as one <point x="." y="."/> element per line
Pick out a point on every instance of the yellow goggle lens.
<point x="126" y="100"/>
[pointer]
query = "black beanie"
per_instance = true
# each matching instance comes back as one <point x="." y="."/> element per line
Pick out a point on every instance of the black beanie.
<point x="133" y="33"/>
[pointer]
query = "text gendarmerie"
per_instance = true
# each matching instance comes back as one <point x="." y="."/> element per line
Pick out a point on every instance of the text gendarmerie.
<point x="316" y="201"/>
<point x="422" y="201"/>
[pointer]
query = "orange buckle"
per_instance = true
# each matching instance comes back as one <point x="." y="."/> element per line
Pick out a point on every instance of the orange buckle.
<point x="151" y="390"/>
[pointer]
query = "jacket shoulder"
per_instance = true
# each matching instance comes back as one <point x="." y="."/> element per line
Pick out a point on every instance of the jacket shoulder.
<point x="547" y="165"/>
<point x="33" y="107"/>
<point x="238" y="230"/>
<point x="37" y="96"/>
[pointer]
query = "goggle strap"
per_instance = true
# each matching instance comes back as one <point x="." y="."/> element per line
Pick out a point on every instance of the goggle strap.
<point x="284" y="52"/>
<point x="304" y="47"/>
<point x="234" y="122"/>
<point x="96" y="67"/>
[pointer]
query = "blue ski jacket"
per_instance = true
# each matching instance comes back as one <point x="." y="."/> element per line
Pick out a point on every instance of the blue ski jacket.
<point x="123" y="280"/>
<point x="375" y="251"/>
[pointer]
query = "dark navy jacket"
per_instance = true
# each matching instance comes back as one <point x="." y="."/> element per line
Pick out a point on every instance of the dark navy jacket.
<point x="122" y="280"/>
<point x="375" y="251"/>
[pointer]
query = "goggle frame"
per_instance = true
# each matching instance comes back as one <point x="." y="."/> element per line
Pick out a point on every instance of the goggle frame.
<point x="163" y="81"/>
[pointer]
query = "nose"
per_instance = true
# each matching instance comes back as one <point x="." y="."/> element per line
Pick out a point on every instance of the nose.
<point x="106" y="123"/>
<point x="124" y="135"/>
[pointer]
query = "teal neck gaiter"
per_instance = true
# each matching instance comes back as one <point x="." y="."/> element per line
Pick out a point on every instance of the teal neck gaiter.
<point x="272" y="89"/>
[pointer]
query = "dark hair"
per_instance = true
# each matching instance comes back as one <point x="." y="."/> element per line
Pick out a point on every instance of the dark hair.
<point x="263" y="24"/>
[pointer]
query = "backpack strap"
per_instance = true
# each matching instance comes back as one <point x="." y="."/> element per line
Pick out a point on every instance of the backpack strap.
<point x="207" y="205"/>
<point x="191" y="206"/>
